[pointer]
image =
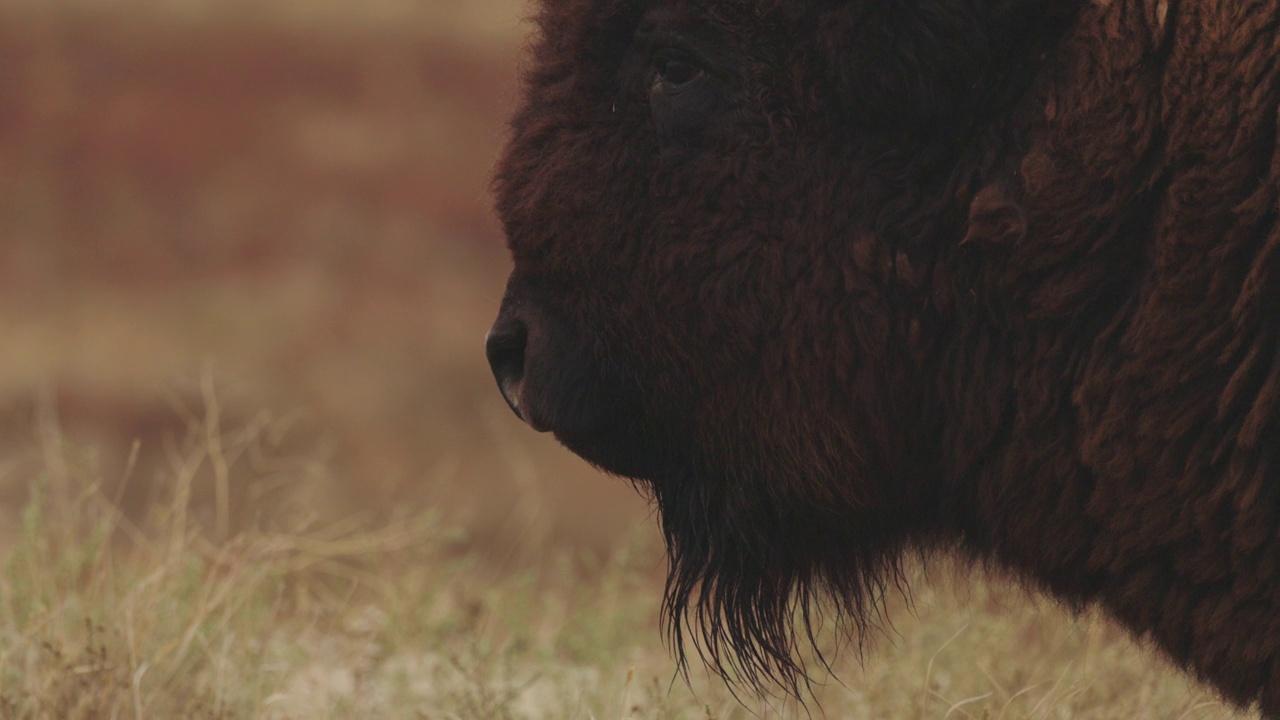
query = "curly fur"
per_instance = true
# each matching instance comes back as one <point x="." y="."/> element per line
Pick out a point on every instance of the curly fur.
<point x="966" y="274"/>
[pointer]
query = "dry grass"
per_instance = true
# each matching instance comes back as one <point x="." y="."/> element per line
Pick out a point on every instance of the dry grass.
<point x="178" y="616"/>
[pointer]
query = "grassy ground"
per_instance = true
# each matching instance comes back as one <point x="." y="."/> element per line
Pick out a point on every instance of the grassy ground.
<point x="175" y="616"/>
<point x="252" y="464"/>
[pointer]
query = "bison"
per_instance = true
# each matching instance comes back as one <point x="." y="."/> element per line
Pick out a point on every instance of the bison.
<point x="841" y="281"/>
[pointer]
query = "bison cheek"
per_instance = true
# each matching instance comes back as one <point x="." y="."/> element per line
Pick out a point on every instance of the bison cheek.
<point x="601" y="419"/>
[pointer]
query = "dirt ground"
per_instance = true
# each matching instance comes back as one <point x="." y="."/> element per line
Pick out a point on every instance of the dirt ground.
<point x="291" y="198"/>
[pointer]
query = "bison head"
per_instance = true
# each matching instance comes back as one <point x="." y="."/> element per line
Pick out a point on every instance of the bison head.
<point x="735" y="229"/>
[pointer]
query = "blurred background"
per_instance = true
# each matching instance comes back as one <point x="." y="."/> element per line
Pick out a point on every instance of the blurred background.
<point x="272" y="216"/>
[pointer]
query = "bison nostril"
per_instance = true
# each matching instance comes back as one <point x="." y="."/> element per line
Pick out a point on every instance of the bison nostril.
<point x="505" y="348"/>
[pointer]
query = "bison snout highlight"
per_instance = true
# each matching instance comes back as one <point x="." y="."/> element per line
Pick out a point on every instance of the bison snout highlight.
<point x="505" y="346"/>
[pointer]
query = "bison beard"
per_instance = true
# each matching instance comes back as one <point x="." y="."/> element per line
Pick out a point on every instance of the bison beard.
<point x="841" y="280"/>
<point x="739" y="578"/>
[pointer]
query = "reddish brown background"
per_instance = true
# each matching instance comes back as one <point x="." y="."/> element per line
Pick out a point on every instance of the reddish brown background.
<point x="296" y="201"/>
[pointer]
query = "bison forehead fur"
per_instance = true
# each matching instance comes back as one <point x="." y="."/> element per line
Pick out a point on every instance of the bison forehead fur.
<point x="841" y="280"/>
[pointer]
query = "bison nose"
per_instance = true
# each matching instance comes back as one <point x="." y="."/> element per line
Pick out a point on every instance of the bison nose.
<point x="505" y="346"/>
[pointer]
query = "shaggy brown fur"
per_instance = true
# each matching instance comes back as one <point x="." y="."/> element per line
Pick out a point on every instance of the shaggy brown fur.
<point x="840" y="279"/>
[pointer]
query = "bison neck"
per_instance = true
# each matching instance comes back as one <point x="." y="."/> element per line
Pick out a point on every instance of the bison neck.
<point x="1115" y="415"/>
<point x="1187" y="558"/>
<point x="1129" y="458"/>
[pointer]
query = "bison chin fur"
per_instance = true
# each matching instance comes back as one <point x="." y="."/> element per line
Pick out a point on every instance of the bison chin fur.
<point x="750" y="585"/>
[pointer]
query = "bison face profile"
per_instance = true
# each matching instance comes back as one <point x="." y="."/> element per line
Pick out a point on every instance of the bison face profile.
<point x="839" y="280"/>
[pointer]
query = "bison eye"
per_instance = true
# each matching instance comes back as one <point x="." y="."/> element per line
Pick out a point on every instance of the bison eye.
<point x="674" y="73"/>
<point x="685" y="95"/>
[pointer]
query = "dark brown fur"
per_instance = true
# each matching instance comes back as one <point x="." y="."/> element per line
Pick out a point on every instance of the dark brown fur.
<point x="894" y="276"/>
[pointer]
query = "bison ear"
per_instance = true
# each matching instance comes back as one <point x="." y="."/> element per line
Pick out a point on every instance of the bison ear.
<point x="995" y="218"/>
